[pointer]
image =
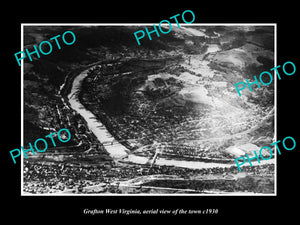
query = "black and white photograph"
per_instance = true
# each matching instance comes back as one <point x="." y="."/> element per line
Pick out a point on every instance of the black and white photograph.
<point x="149" y="114"/>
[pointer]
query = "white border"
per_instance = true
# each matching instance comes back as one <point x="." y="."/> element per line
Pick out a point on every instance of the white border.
<point x="148" y="24"/>
<point x="22" y="108"/>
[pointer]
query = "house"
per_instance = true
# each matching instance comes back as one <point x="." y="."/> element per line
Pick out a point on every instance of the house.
<point x="241" y="150"/>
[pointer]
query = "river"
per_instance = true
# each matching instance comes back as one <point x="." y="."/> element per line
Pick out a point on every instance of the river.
<point x="118" y="151"/>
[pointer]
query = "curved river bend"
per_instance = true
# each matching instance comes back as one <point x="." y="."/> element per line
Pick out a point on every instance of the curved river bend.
<point x="118" y="151"/>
